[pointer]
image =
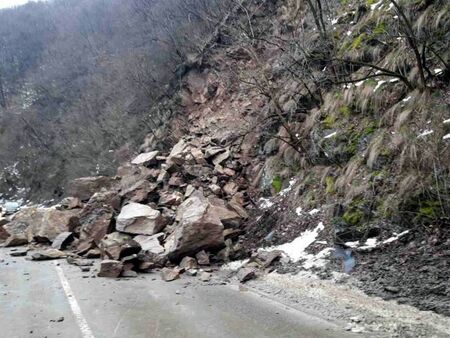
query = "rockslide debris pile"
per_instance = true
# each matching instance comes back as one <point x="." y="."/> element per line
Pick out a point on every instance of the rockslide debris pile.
<point x="160" y="211"/>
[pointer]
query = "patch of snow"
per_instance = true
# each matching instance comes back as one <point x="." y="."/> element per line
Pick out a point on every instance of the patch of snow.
<point x="370" y="244"/>
<point x="360" y="83"/>
<point x="438" y="71"/>
<point x="395" y="237"/>
<point x="407" y="99"/>
<point x="289" y="188"/>
<point x="394" y="80"/>
<point x="379" y="84"/>
<point x="330" y="135"/>
<point x="376" y="5"/>
<point x="265" y="203"/>
<point x="446" y="121"/>
<point x="446" y="137"/>
<point x="296" y="249"/>
<point x="425" y="133"/>
<point x="349" y="33"/>
<point x="299" y="211"/>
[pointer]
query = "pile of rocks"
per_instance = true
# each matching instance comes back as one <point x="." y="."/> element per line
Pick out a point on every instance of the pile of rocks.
<point x="160" y="211"/>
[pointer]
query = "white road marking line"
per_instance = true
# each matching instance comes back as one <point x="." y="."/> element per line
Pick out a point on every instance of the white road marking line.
<point x="81" y="321"/>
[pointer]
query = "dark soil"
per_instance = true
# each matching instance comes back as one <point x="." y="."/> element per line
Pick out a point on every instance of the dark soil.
<point x="415" y="271"/>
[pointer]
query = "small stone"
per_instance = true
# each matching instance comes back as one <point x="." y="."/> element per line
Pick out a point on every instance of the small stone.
<point x="202" y="258"/>
<point x="129" y="274"/>
<point x="170" y="275"/>
<point x="188" y="263"/>
<point x="392" y="289"/>
<point x="246" y="274"/>
<point x="110" y="268"/>
<point x="205" y="276"/>
<point x="19" y="253"/>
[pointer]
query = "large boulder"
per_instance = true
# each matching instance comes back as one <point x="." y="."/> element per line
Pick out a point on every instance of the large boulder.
<point x="139" y="219"/>
<point x="139" y="191"/>
<point x="199" y="228"/>
<point x="83" y="188"/>
<point x="96" y="218"/>
<point x="42" y="224"/>
<point x="3" y="233"/>
<point x="227" y="216"/>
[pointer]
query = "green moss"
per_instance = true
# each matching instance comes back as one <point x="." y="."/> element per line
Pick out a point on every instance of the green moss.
<point x="379" y="29"/>
<point x="357" y="41"/>
<point x="429" y="209"/>
<point x="328" y="122"/>
<point x="329" y="185"/>
<point x="345" y="110"/>
<point x="276" y="184"/>
<point x="353" y="217"/>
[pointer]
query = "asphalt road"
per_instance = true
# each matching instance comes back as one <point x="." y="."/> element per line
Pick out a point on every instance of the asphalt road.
<point x="34" y="296"/>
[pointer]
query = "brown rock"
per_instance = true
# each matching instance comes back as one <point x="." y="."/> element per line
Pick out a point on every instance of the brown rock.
<point x="110" y="268"/>
<point x="199" y="228"/>
<point x="246" y="274"/>
<point x="45" y="255"/>
<point x="188" y="263"/>
<point x="150" y="243"/>
<point x="231" y="188"/>
<point x="118" y="245"/>
<point x="84" y="188"/>
<point x="202" y="258"/>
<point x="170" y="198"/>
<point x="205" y="276"/>
<point x="215" y="189"/>
<point x="176" y="181"/>
<point x="139" y="219"/>
<point x="139" y="191"/>
<point x="169" y="275"/>
<point x="228" y="217"/>
<point x="15" y="240"/>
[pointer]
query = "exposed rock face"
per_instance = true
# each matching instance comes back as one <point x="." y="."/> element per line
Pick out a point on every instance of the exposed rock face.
<point x="199" y="228"/>
<point x="110" y="268"/>
<point x="83" y="188"/>
<point x="139" y="219"/>
<point x="146" y="158"/>
<point x="62" y="240"/>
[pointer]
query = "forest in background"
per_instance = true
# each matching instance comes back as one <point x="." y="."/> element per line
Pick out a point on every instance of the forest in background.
<point x="82" y="81"/>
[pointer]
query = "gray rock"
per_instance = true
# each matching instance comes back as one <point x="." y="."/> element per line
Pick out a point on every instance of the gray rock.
<point x="139" y="219"/>
<point x="170" y="275"/>
<point x="62" y="240"/>
<point x="110" y="268"/>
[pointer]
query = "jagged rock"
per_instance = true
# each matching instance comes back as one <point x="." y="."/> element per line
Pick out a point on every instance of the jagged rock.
<point x="197" y="170"/>
<point x="170" y="198"/>
<point x="93" y="253"/>
<point x="215" y="189"/>
<point x="146" y="159"/>
<point x="131" y="174"/>
<point x="62" y="240"/>
<point x="163" y="176"/>
<point x="139" y="219"/>
<point x="231" y="188"/>
<point x="15" y="240"/>
<point x="71" y="203"/>
<point x="228" y="217"/>
<point x="202" y="258"/>
<point x="176" y="155"/>
<point x="176" y="181"/>
<point x="236" y="203"/>
<point x="188" y="263"/>
<point x="213" y="151"/>
<point x="96" y="219"/>
<point x="246" y="274"/>
<point x="3" y="221"/>
<point x="83" y="188"/>
<point x="139" y="191"/>
<point x="231" y="233"/>
<point x="3" y="233"/>
<point x="221" y="157"/>
<point x="110" y="268"/>
<point x="198" y="156"/>
<point x="189" y="190"/>
<point x="199" y="228"/>
<point x="45" y="255"/>
<point x="150" y="243"/>
<point x="170" y="275"/>
<point x="117" y="245"/>
<point x="192" y="272"/>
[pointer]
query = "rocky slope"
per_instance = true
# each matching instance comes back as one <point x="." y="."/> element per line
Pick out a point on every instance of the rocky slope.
<point x="326" y="176"/>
